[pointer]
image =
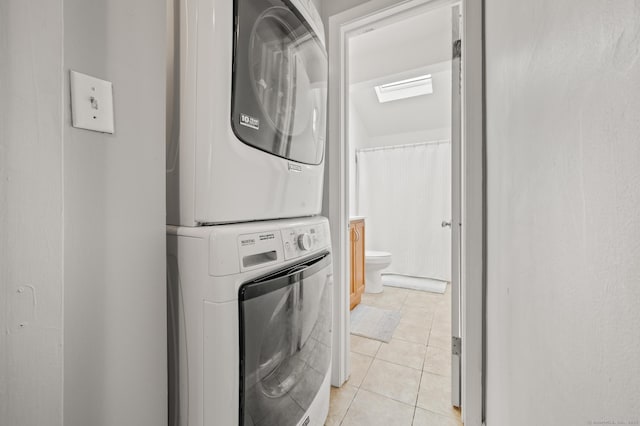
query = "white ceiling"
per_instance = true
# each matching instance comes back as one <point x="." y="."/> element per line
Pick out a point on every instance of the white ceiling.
<point x="418" y="45"/>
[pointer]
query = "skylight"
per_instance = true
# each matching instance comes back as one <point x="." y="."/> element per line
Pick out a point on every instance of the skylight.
<point x="403" y="89"/>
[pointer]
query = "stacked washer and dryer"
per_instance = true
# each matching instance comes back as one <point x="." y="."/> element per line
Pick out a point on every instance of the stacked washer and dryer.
<point x="249" y="259"/>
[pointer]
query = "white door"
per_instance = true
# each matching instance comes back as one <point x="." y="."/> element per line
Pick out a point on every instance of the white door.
<point x="456" y="190"/>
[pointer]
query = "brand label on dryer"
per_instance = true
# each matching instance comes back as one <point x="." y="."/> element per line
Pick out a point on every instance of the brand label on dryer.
<point x="248" y="121"/>
<point x="295" y="167"/>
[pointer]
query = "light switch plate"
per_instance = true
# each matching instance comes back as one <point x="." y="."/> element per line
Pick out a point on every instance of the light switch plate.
<point x="91" y="103"/>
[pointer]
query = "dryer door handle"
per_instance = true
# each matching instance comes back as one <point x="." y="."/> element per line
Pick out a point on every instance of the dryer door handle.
<point x="284" y="277"/>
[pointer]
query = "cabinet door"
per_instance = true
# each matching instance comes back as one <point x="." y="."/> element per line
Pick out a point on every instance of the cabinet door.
<point x="359" y="257"/>
<point x="354" y="296"/>
<point x="356" y="234"/>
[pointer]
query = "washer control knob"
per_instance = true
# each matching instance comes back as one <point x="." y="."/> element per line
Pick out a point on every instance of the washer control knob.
<point x="304" y="241"/>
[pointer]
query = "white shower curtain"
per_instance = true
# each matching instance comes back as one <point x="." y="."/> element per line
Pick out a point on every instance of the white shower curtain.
<point x="404" y="192"/>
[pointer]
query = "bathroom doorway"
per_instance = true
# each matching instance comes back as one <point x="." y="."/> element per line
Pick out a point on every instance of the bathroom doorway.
<point x="398" y="120"/>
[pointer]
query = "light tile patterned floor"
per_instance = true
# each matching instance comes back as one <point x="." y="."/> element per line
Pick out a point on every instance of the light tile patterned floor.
<point x="407" y="381"/>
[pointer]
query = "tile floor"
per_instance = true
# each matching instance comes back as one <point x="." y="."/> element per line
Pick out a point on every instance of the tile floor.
<point x="406" y="381"/>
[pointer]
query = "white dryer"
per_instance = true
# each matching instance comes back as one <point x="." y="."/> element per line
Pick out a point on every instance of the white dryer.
<point x="247" y="106"/>
<point x="250" y="323"/>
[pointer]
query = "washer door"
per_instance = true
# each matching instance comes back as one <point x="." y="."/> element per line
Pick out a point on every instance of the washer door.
<point x="285" y="342"/>
<point x="279" y="81"/>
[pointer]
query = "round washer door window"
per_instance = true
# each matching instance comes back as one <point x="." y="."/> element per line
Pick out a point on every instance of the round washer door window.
<point x="280" y="99"/>
<point x="278" y="72"/>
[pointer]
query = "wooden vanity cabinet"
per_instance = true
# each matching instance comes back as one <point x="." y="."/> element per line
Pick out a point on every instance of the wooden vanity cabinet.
<point x="356" y="232"/>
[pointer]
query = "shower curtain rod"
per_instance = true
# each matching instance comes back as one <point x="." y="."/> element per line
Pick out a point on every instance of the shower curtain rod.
<point x="409" y="145"/>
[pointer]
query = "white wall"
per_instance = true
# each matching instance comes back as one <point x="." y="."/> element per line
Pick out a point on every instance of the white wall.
<point x="400" y="44"/>
<point x="31" y="197"/>
<point x="115" y="309"/>
<point x="333" y="7"/>
<point x="318" y="5"/>
<point x="563" y="162"/>
<point x="358" y="137"/>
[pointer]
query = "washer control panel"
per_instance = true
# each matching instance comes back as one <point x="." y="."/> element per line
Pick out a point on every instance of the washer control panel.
<point x="243" y="247"/>
<point x="259" y="249"/>
<point x="305" y="242"/>
<point x="302" y="240"/>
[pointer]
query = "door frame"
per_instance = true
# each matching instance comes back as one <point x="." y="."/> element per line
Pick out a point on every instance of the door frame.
<point x="348" y="24"/>
<point x="456" y="208"/>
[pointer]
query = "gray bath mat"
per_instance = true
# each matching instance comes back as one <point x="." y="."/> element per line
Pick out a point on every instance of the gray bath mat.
<point x="374" y="323"/>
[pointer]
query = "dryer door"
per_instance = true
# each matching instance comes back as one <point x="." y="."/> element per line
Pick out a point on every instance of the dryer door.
<point x="285" y="342"/>
<point x="279" y="99"/>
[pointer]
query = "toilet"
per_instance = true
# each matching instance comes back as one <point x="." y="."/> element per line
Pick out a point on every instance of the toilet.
<point x="374" y="263"/>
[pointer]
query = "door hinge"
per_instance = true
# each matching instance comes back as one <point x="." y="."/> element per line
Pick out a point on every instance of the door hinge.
<point x="457" y="49"/>
<point x="456" y="345"/>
